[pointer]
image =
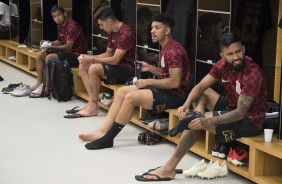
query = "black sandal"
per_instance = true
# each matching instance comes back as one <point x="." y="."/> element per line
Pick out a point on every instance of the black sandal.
<point x="73" y="110"/>
<point x="43" y="94"/>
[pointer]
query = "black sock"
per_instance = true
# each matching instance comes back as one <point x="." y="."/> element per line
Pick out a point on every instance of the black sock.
<point x="107" y="140"/>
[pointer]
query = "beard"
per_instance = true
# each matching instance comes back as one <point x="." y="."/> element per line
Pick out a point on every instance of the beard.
<point x="236" y="65"/>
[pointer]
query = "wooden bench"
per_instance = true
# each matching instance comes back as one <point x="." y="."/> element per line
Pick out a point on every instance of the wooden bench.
<point x="265" y="163"/>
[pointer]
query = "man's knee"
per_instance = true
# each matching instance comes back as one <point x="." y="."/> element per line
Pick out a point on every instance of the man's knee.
<point x="51" y="57"/>
<point x="130" y="97"/>
<point x="96" y="69"/>
<point x="121" y="92"/>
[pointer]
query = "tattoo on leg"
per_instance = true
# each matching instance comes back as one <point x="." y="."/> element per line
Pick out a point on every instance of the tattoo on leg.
<point x="186" y="142"/>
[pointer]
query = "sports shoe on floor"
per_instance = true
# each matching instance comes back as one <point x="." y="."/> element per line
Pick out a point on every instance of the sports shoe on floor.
<point x="200" y="166"/>
<point x="142" y="138"/>
<point x="38" y="90"/>
<point x="152" y="138"/>
<point x="240" y="157"/>
<point x="23" y="90"/>
<point x="214" y="170"/>
<point x="10" y="88"/>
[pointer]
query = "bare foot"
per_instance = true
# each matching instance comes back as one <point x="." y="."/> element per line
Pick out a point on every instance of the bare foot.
<point x="90" y="110"/>
<point x="83" y="107"/>
<point x="91" y="136"/>
<point x="35" y="86"/>
<point x="162" y="172"/>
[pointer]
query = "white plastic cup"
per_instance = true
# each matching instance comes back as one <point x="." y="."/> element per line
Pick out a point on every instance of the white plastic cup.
<point x="268" y="135"/>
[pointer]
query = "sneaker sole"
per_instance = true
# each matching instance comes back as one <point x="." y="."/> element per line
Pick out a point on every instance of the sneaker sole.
<point x="236" y="163"/>
<point x="215" y="154"/>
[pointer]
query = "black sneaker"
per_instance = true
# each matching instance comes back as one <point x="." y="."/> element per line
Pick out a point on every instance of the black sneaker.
<point x="215" y="150"/>
<point x="223" y="150"/>
<point x="1" y="78"/>
<point x="142" y="138"/>
<point x="183" y="124"/>
<point x="10" y="88"/>
<point x="152" y="138"/>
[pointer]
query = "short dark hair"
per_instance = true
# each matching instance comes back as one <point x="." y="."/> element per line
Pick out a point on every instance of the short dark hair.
<point x="104" y="13"/>
<point x="164" y="18"/>
<point x="227" y="39"/>
<point x="207" y="21"/>
<point x="57" y="8"/>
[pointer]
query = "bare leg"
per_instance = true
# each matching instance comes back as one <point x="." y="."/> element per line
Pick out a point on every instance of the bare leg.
<point x="83" y="72"/>
<point x="143" y="98"/>
<point x="41" y="59"/>
<point x="94" y="84"/>
<point x="112" y="113"/>
<point x="187" y="140"/>
<point x="40" y="63"/>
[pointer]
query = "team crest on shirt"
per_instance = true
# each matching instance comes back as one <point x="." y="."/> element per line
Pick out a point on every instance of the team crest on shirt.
<point x="238" y="87"/>
<point x="162" y="62"/>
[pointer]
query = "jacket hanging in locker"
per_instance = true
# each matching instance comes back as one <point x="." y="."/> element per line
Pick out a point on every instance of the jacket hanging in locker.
<point x="181" y="10"/>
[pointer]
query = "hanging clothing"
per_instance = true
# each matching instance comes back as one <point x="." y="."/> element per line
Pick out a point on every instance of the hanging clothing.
<point x="181" y="11"/>
<point x="254" y="19"/>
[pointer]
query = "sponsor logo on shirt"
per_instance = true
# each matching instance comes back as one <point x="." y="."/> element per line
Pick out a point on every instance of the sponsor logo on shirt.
<point x="162" y="62"/>
<point x="238" y="87"/>
<point x="223" y="80"/>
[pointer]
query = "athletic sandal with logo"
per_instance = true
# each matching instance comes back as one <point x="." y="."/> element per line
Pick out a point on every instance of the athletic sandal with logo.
<point x="183" y="125"/>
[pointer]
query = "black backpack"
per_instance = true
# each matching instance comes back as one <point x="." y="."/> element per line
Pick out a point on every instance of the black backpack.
<point x="60" y="80"/>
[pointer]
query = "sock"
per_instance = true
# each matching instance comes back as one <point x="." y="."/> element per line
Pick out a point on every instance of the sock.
<point x="107" y="141"/>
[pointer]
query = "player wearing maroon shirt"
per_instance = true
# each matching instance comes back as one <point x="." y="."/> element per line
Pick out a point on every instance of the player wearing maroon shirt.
<point x="246" y="90"/>
<point x="115" y="65"/>
<point x="70" y="43"/>
<point x="169" y="91"/>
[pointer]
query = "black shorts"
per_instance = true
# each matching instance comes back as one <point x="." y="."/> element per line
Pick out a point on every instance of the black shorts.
<point x="165" y="99"/>
<point x="63" y="55"/>
<point x="234" y="130"/>
<point x="116" y="74"/>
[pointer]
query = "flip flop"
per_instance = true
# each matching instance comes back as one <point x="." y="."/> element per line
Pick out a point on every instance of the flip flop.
<point x="41" y="95"/>
<point x="141" y="177"/>
<point x="71" y="116"/>
<point x="73" y="110"/>
<point x="177" y="171"/>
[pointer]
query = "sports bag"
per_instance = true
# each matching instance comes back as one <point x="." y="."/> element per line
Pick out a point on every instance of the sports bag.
<point x="60" y="80"/>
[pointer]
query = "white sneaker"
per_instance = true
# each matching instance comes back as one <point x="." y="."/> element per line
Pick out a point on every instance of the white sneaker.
<point x="38" y="89"/>
<point x="17" y="89"/>
<point x="107" y="100"/>
<point x="200" y="166"/>
<point x="214" y="170"/>
<point x="25" y="90"/>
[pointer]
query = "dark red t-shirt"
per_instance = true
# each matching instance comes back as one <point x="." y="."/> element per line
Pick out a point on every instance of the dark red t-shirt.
<point x="124" y="39"/>
<point x="73" y="31"/>
<point x="250" y="81"/>
<point x="173" y="55"/>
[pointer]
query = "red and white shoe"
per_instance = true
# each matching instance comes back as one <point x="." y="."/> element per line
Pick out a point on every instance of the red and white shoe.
<point x="240" y="157"/>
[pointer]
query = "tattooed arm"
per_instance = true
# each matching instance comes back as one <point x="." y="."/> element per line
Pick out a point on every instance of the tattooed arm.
<point x="172" y="82"/>
<point x="243" y="105"/>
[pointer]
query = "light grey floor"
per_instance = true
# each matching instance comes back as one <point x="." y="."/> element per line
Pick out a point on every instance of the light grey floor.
<point x="39" y="146"/>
